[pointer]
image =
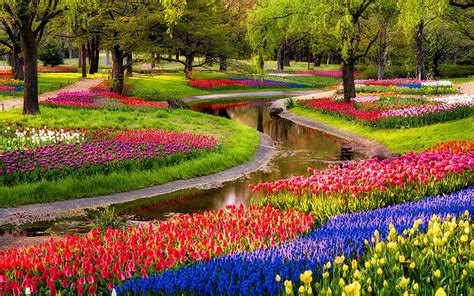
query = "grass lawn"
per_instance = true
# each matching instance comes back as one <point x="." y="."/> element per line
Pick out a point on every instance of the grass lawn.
<point x="398" y="140"/>
<point x="238" y="144"/>
<point x="46" y="82"/>
<point x="461" y="79"/>
<point x="175" y="86"/>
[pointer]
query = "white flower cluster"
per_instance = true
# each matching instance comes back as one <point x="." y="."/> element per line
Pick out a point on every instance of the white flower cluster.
<point x="456" y="99"/>
<point x="439" y="83"/>
<point x="33" y="137"/>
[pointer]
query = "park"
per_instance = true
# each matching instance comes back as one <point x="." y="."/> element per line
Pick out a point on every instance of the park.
<point x="236" y="147"/>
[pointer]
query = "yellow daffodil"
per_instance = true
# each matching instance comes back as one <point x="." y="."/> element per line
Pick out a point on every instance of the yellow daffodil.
<point x="404" y="282"/>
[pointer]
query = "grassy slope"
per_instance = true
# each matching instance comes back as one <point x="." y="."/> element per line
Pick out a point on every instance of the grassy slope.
<point x="175" y="86"/>
<point x="399" y="140"/>
<point x="47" y="82"/>
<point x="238" y="145"/>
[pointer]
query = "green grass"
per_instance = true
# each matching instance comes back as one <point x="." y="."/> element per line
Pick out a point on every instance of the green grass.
<point x="234" y="100"/>
<point x="461" y="79"/>
<point x="175" y="86"/>
<point x="398" y="140"/>
<point x="46" y="82"/>
<point x="238" y="144"/>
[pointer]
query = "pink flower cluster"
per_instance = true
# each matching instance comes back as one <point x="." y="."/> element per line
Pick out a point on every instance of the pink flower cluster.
<point x="418" y="111"/>
<point x="365" y="99"/>
<point x="359" y="178"/>
<point x="7" y="88"/>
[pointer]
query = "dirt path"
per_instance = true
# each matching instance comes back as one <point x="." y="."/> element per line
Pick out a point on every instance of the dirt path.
<point x="466" y="88"/>
<point x="81" y="85"/>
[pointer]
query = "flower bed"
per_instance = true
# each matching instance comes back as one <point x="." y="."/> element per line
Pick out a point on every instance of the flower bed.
<point x="395" y="112"/>
<point x="431" y="263"/>
<point x="6" y="73"/>
<point x="105" y="153"/>
<point x="369" y="184"/>
<point x="254" y="273"/>
<point x="58" y="69"/>
<point x="106" y="86"/>
<point x="95" y="262"/>
<point x="100" y="100"/>
<point x="231" y="83"/>
<point x="405" y="86"/>
<point x="13" y="138"/>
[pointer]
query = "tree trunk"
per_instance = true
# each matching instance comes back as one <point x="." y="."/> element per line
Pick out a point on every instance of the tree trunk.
<point x="79" y="60"/>
<point x="280" y="64"/>
<point x="129" y="64"/>
<point x="382" y="54"/>
<point x="260" y="62"/>
<point x="69" y="50"/>
<point x="420" y="53"/>
<point x="436" y="59"/>
<point x="107" y="58"/>
<point x="153" y="60"/>
<point x="317" y="60"/>
<point x="286" y="58"/>
<point x="188" y="66"/>
<point x="348" y="78"/>
<point x="29" y="50"/>
<point x="329" y="58"/>
<point x="177" y="56"/>
<point x="223" y="63"/>
<point x="117" y="70"/>
<point x="83" y="61"/>
<point x="16" y="61"/>
<point x="93" y="50"/>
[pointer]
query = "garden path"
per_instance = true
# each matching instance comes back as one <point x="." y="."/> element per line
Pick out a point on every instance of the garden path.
<point x="81" y="85"/>
<point x="466" y="88"/>
<point x="253" y="94"/>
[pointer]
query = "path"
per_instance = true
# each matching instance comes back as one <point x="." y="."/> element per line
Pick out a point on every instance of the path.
<point x="81" y="85"/>
<point x="75" y="207"/>
<point x="251" y="94"/>
<point x="466" y="88"/>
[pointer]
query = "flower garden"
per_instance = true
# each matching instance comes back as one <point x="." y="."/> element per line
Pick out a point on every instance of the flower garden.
<point x="237" y="83"/>
<point x="364" y="227"/>
<point x="395" y="111"/>
<point x="33" y="155"/>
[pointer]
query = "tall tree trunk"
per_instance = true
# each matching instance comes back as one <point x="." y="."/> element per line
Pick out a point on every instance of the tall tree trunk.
<point x="153" y="60"/>
<point x="420" y="52"/>
<point x="94" y="51"/>
<point x="348" y="78"/>
<point x="79" y="60"/>
<point x="260" y="62"/>
<point x="129" y="64"/>
<point x="286" y="58"/>
<point x="280" y="64"/>
<point x="117" y="70"/>
<point x="436" y="59"/>
<point x="16" y="61"/>
<point x="382" y="54"/>
<point x="188" y="66"/>
<point x="29" y="50"/>
<point x="317" y="60"/>
<point x="107" y="58"/>
<point x="223" y="63"/>
<point x="69" y="49"/>
<point x="177" y="55"/>
<point x="83" y="61"/>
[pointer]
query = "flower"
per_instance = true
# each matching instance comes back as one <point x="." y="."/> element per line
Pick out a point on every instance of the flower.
<point x="440" y="292"/>
<point x="437" y="273"/>
<point x="277" y="278"/>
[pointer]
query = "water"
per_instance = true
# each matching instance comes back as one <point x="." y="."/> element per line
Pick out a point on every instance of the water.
<point x="298" y="148"/>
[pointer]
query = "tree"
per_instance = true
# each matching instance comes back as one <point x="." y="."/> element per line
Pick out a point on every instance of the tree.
<point x="31" y="17"/>
<point x="12" y="41"/>
<point x="51" y="54"/>
<point x="415" y="17"/>
<point x="347" y="24"/>
<point x="463" y="4"/>
<point x="201" y="31"/>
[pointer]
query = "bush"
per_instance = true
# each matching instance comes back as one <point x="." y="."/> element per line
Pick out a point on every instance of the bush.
<point x="51" y="54"/>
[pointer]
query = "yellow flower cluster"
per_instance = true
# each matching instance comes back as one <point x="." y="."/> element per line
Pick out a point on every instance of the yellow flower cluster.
<point x="390" y="267"/>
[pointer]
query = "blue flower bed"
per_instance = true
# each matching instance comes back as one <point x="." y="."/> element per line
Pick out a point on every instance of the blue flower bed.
<point x="416" y="85"/>
<point x="254" y="273"/>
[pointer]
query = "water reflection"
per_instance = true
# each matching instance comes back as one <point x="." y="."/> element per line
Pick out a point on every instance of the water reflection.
<point x="299" y="148"/>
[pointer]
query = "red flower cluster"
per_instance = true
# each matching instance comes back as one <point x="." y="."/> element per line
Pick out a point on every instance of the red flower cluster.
<point x="223" y="106"/>
<point x="6" y="73"/>
<point x="358" y="178"/>
<point x="344" y="108"/>
<point x="105" y="86"/>
<point x="94" y="263"/>
<point x="161" y="137"/>
<point x="59" y="69"/>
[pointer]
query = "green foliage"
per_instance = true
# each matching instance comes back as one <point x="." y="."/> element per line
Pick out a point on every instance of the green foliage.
<point x="107" y="217"/>
<point x="51" y="54"/>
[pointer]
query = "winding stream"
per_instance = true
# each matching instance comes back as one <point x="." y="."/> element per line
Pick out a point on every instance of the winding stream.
<point x="298" y="148"/>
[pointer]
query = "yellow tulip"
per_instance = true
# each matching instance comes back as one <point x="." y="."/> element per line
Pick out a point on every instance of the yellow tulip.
<point x="278" y="278"/>
<point x="412" y="265"/>
<point x="401" y="258"/>
<point x="367" y="264"/>
<point x="345" y="267"/>
<point x="440" y="292"/>
<point x="437" y="273"/>
<point x="453" y="260"/>
<point x="301" y="290"/>
<point x="379" y="271"/>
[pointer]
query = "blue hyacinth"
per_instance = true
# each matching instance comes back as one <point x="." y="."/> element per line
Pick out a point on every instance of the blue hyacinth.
<point x="253" y="273"/>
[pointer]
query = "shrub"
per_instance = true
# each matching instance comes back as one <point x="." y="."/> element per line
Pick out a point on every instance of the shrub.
<point x="51" y="54"/>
